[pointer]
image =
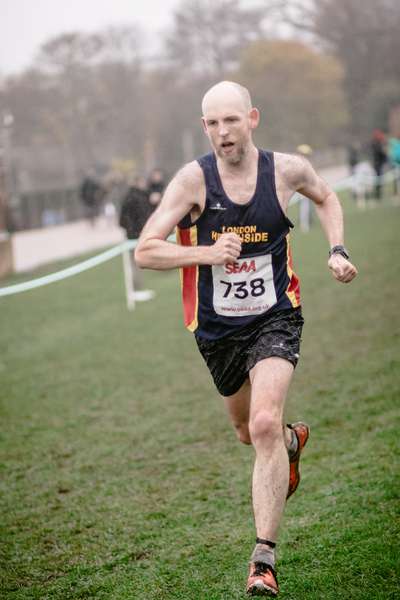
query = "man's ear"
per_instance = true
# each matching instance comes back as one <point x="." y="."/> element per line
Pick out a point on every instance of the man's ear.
<point x="203" y="121"/>
<point x="254" y="118"/>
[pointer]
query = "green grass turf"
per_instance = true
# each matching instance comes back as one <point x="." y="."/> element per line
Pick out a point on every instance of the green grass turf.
<point x="120" y="474"/>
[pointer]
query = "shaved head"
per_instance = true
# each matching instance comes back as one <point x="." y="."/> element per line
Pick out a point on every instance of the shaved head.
<point x="227" y="91"/>
<point x="228" y="121"/>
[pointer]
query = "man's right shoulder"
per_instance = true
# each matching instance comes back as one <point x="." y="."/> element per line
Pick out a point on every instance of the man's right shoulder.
<point x="190" y="177"/>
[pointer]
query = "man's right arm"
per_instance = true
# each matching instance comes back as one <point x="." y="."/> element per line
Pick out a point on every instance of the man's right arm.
<point x="185" y="193"/>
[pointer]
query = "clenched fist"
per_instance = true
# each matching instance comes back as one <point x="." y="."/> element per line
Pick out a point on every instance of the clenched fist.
<point x="226" y="249"/>
<point x="341" y="268"/>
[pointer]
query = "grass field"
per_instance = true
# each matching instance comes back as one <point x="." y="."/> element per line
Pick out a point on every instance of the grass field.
<point x="121" y="477"/>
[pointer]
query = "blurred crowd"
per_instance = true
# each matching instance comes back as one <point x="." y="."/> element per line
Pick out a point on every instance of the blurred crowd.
<point x="368" y="164"/>
<point x="130" y="199"/>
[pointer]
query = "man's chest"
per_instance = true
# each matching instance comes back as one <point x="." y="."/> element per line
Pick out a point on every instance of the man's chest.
<point x="240" y="190"/>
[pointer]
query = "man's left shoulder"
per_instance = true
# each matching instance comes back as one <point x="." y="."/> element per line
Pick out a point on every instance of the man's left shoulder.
<point x="292" y="168"/>
<point x="286" y="161"/>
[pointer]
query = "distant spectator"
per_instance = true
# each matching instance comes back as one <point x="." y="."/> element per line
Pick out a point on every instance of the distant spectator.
<point x="353" y="155"/>
<point x="378" y="158"/>
<point x="91" y="193"/>
<point x="156" y="185"/>
<point x="116" y="189"/>
<point x="394" y="157"/>
<point x="135" y="210"/>
<point x="353" y="158"/>
<point x="363" y="178"/>
<point x="110" y="213"/>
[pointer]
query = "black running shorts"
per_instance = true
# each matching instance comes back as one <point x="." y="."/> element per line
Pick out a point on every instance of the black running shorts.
<point x="230" y="359"/>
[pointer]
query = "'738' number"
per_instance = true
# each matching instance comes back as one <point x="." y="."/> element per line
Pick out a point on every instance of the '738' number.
<point x="241" y="289"/>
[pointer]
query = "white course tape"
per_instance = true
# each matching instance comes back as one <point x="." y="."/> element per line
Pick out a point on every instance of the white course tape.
<point x="70" y="271"/>
<point x="74" y="270"/>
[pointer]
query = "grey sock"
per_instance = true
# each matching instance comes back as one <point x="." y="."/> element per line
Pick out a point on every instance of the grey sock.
<point x="263" y="553"/>
<point x="294" y="443"/>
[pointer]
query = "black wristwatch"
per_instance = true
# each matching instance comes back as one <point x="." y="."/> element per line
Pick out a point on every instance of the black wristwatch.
<point x="339" y="250"/>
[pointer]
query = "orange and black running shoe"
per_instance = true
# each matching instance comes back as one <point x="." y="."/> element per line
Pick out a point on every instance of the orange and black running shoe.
<point x="302" y="432"/>
<point x="262" y="580"/>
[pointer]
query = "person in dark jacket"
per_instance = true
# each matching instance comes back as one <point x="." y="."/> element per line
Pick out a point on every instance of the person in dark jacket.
<point x="379" y="157"/>
<point x="91" y="193"/>
<point x="156" y="185"/>
<point x="135" y="210"/>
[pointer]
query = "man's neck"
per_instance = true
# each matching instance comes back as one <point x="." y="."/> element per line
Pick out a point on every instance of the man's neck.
<point x="244" y="166"/>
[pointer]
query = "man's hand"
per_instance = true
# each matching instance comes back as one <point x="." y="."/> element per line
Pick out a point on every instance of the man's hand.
<point x="341" y="268"/>
<point x="226" y="249"/>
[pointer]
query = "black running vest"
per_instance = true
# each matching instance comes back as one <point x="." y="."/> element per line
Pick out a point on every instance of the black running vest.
<point x="220" y="299"/>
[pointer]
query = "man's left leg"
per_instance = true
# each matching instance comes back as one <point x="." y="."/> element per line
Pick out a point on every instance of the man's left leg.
<point x="270" y="380"/>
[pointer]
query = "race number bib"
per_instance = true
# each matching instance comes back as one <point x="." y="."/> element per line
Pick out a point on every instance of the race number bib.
<point x="245" y="287"/>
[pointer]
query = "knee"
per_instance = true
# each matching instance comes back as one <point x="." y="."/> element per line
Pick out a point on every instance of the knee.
<point x="265" y="427"/>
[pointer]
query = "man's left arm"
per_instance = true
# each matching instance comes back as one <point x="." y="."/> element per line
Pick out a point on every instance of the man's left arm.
<point x="329" y="210"/>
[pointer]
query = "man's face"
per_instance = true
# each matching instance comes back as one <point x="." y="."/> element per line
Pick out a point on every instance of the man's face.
<point x="228" y="126"/>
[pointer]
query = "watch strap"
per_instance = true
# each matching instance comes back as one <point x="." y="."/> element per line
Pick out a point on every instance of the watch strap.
<point x="339" y="250"/>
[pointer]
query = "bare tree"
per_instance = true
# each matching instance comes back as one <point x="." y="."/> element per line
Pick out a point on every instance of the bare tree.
<point x="84" y="99"/>
<point x="364" y="35"/>
<point x="208" y="35"/>
<point x="295" y="87"/>
<point x="97" y="78"/>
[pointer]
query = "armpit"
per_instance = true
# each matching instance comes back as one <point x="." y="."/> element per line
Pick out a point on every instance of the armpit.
<point x="190" y="180"/>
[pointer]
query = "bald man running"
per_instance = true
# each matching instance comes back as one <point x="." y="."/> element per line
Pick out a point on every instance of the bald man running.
<point x="241" y="297"/>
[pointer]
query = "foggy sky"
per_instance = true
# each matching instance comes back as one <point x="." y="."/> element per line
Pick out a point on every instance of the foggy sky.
<point x="26" y="24"/>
